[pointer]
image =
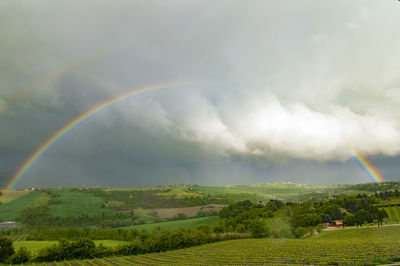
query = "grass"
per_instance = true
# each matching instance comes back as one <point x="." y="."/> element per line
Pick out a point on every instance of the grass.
<point x="280" y="225"/>
<point x="12" y="209"/>
<point x="174" y="225"/>
<point x="393" y="214"/>
<point x="75" y="203"/>
<point x="35" y="246"/>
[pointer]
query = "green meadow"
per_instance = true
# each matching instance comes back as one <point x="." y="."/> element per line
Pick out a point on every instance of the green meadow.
<point x="75" y="203"/>
<point x="12" y="209"/>
<point x="393" y="214"/>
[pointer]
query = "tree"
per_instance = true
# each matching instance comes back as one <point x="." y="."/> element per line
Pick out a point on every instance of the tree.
<point x="380" y="215"/>
<point x="361" y="216"/>
<point x="6" y="249"/>
<point x="205" y="228"/>
<point x="300" y="232"/>
<point x="349" y="219"/>
<point x="306" y="220"/>
<point x="259" y="229"/>
<point x="22" y="255"/>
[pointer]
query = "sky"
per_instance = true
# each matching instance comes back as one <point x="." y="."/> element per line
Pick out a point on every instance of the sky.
<point x="266" y="91"/>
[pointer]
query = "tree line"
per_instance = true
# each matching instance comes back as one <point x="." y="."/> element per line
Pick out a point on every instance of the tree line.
<point x="84" y="248"/>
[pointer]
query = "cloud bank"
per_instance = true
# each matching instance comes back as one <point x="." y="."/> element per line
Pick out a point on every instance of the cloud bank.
<point x="269" y="82"/>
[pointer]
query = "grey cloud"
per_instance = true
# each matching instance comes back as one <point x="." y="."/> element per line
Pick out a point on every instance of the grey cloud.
<point x="272" y="82"/>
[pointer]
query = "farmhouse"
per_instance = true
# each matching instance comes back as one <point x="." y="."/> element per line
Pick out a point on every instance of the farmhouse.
<point x="335" y="224"/>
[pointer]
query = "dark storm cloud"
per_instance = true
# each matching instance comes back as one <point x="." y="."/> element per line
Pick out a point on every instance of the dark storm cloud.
<point x="275" y="89"/>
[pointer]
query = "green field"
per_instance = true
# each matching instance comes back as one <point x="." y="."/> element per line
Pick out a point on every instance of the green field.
<point x="349" y="246"/>
<point x="34" y="246"/>
<point x="280" y="225"/>
<point x="74" y="203"/>
<point x="175" y="225"/>
<point x="12" y="209"/>
<point x="393" y="214"/>
<point x="9" y="195"/>
<point x="281" y="191"/>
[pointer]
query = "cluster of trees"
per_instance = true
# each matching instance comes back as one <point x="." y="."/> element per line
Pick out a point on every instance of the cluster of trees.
<point x="362" y="216"/>
<point x="8" y="254"/>
<point x="374" y="187"/>
<point x="77" y="233"/>
<point x="353" y="210"/>
<point x="81" y="245"/>
<point x="39" y="216"/>
<point x="246" y="216"/>
<point x="199" y="201"/>
<point x="305" y="217"/>
<point x="388" y="194"/>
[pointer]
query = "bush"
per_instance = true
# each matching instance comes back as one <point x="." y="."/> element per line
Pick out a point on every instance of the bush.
<point x="65" y="250"/>
<point x="205" y="228"/>
<point x="6" y="249"/>
<point x="133" y="248"/>
<point x="259" y="229"/>
<point x="300" y="232"/>
<point x="22" y="256"/>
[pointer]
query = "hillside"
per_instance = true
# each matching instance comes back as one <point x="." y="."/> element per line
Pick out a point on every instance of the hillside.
<point x="167" y="202"/>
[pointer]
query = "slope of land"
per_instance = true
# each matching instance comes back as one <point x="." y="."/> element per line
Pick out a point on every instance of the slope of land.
<point x="13" y="208"/>
<point x="361" y="246"/>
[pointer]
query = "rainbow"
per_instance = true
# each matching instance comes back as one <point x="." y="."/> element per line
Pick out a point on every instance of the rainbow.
<point x="35" y="156"/>
<point x="367" y="166"/>
<point x="58" y="71"/>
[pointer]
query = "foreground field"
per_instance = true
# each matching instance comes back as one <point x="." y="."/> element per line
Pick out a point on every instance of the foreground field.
<point x="175" y="225"/>
<point x="353" y="246"/>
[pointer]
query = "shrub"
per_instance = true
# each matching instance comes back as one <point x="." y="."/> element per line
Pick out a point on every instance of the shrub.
<point x="300" y="232"/>
<point x="22" y="255"/>
<point x="259" y="229"/>
<point x="6" y="249"/>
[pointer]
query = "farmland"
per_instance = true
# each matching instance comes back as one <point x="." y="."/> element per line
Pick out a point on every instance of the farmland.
<point x="73" y="203"/>
<point x="362" y="246"/>
<point x="12" y="209"/>
<point x="158" y="202"/>
<point x="174" y="225"/>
